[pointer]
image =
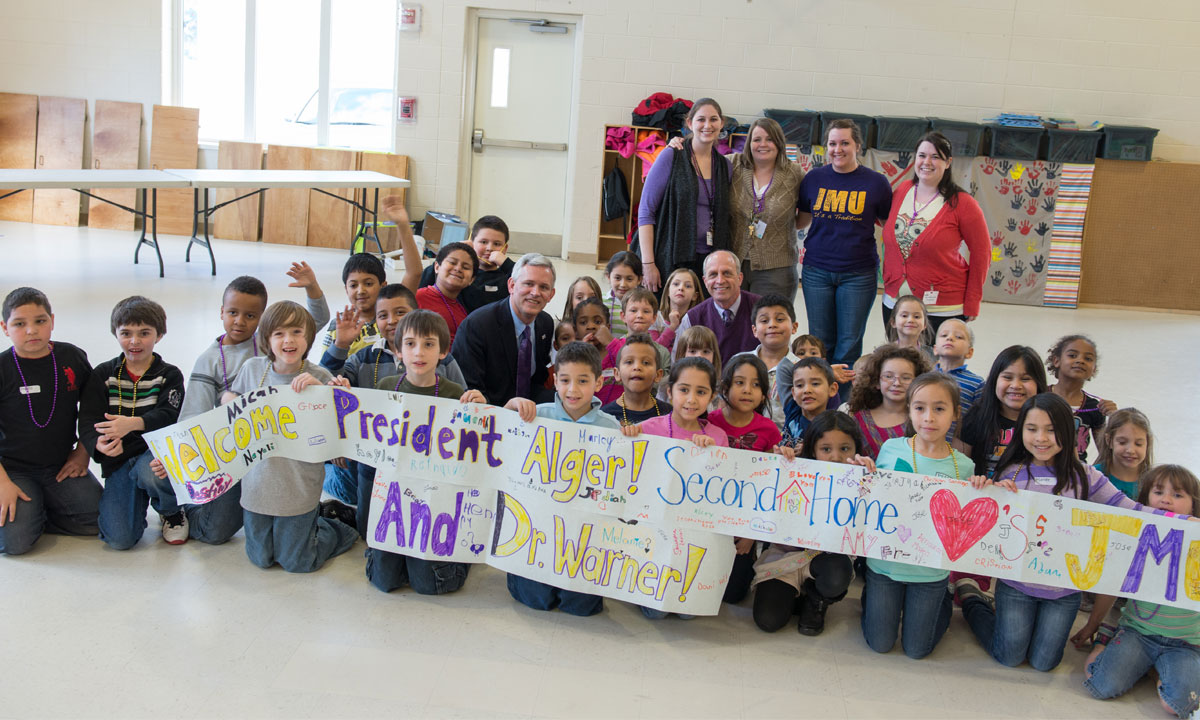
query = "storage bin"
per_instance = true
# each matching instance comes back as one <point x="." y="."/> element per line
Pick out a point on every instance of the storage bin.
<point x="1128" y="142"/>
<point x="966" y="138"/>
<point x="899" y="134"/>
<point x="800" y="127"/>
<point x="866" y="124"/>
<point x="1071" y="146"/>
<point x="1015" y="143"/>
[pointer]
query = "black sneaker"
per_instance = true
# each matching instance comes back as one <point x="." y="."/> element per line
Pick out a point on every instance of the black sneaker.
<point x="340" y="511"/>
<point x="812" y="611"/>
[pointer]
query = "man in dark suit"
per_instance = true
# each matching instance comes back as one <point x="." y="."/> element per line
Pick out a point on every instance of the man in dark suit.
<point x="503" y="348"/>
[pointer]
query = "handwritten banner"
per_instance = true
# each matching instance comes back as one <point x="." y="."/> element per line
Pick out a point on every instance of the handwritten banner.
<point x="647" y="519"/>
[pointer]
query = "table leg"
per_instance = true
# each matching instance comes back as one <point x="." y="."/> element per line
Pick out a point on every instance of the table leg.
<point x="154" y="229"/>
<point x="374" y="221"/>
<point x="145" y="221"/>
<point x="208" y="238"/>
<point x="187" y="256"/>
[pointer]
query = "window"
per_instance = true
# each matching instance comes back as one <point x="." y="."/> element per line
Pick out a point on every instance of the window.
<point x="500" y="57"/>
<point x="296" y="72"/>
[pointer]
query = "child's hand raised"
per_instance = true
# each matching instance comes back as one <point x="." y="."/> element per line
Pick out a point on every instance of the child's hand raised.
<point x="118" y="426"/>
<point x="525" y="407"/>
<point x="303" y="277"/>
<point x="393" y="209"/>
<point x="631" y="430"/>
<point x="603" y="336"/>
<point x="346" y="327"/>
<point x="473" y="396"/>
<point x="784" y="450"/>
<point x="303" y="380"/>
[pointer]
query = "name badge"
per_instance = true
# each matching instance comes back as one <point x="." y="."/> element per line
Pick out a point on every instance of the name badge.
<point x="30" y="389"/>
<point x="1049" y="481"/>
<point x="708" y="238"/>
<point x="760" y="228"/>
<point x="930" y="297"/>
<point x="491" y="288"/>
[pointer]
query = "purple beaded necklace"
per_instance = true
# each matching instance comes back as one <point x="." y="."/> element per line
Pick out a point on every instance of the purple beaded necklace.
<point x="29" y="396"/>
<point x="221" y="349"/>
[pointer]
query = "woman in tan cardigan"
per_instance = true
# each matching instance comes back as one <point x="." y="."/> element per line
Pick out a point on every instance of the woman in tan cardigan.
<point x="763" y="190"/>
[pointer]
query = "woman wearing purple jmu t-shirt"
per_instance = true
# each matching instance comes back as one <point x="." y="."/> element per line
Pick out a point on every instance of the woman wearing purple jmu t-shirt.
<point x="845" y="200"/>
<point x="684" y="214"/>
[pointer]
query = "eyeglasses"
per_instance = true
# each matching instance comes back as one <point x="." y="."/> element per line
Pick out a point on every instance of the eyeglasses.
<point x="890" y="378"/>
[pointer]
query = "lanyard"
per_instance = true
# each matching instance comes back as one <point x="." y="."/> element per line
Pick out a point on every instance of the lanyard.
<point x="760" y="201"/>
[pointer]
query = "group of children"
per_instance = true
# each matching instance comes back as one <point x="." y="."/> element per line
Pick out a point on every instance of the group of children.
<point x="913" y="406"/>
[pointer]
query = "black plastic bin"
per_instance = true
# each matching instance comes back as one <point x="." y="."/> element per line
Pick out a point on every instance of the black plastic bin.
<point x="800" y="127"/>
<point x="1071" y="146"/>
<point x="899" y="134"/>
<point x="1128" y="142"/>
<point x="1015" y="143"/>
<point x="966" y="138"/>
<point x="866" y="124"/>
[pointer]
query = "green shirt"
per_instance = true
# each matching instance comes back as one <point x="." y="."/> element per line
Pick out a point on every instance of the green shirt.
<point x="445" y="388"/>
<point x="897" y="454"/>
<point x="1162" y="620"/>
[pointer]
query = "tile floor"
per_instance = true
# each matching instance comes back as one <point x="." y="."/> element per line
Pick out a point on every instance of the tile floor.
<point x="197" y="632"/>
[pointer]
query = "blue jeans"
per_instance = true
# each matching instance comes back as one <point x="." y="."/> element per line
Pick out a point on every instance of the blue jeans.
<point x="838" y="305"/>
<point x="390" y="571"/>
<point x="540" y="596"/>
<point x="300" y="544"/>
<point x="216" y="521"/>
<point x="778" y="281"/>
<point x="342" y="483"/>
<point x="69" y="507"/>
<point x="1022" y="627"/>
<point x="127" y="493"/>
<point x="1130" y="655"/>
<point x="925" y="608"/>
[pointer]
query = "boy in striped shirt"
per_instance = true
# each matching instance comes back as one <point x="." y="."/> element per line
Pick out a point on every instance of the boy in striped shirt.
<point x="134" y="393"/>
<point x="955" y="345"/>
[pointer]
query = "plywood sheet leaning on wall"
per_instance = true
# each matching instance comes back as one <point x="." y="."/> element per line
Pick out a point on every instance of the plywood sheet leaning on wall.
<point x="388" y="164"/>
<point x="285" y="211"/>
<point x="239" y="220"/>
<point x="18" y="149"/>
<point x="174" y="143"/>
<point x="59" y="147"/>
<point x="330" y="221"/>
<point x="116" y="145"/>
<point x="1140" y="245"/>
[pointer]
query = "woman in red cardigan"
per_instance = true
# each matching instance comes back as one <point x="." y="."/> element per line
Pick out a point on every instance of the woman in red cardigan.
<point x="931" y="218"/>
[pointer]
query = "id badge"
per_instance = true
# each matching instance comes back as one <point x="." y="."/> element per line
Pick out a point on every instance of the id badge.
<point x="760" y="228"/>
<point x="708" y="238"/>
<point x="29" y="389"/>
<point x="930" y="297"/>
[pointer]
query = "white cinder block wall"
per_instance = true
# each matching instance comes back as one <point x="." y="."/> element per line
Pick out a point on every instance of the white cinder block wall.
<point x="1110" y="60"/>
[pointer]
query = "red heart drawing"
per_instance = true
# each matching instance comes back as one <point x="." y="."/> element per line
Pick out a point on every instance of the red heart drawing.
<point x="960" y="527"/>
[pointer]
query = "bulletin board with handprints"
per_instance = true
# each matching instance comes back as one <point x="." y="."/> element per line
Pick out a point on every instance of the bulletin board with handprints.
<point x="1034" y="212"/>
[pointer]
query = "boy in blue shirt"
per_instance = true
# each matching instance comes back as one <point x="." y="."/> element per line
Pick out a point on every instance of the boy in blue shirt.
<point x="955" y="345"/>
<point x="576" y="380"/>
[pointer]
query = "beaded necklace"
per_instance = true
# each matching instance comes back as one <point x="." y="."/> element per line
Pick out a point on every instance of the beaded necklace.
<point x="671" y="425"/>
<point x="449" y="310"/>
<point x="437" y="384"/>
<point x="267" y="369"/>
<point x="625" y="418"/>
<point x="912" y="443"/>
<point x="221" y="350"/>
<point x="29" y="396"/>
<point x="120" y="395"/>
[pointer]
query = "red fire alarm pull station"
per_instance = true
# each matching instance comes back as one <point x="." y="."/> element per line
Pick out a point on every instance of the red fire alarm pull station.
<point x="410" y="17"/>
<point x="408" y="110"/>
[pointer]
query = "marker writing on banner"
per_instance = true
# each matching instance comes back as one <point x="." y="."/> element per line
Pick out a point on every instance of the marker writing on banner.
<point x="545" y="455"/>
<point x="576" y="556"/>
<point x="263" y="420"/>
<point x="424" y="439"/>
<point x="423" y="529"/>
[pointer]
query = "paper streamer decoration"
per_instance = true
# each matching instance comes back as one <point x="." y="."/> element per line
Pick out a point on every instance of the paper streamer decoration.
<point x="649" y="519"/>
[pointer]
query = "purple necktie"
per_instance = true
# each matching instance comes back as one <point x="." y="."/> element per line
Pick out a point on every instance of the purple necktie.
<point x="524" y="354"/>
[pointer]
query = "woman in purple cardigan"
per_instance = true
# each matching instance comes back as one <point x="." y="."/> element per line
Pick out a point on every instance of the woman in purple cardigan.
<point x="684" y="214"/>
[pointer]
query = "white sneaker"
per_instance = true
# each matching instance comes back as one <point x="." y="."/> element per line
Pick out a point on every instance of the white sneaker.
<point x="175" y="528"/>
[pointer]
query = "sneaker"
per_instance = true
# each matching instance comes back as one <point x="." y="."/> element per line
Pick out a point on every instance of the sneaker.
<point x="175" y="528"/>
<point x="1087" y="602"/>
<point x="812" y="611"/>
<point x="981" y="582"/>
<point x="340" y="511"/>
<point x="967" y="587"/>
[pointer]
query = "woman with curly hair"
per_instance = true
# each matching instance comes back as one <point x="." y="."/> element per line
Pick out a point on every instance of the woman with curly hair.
<point x="877" y="402"/>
